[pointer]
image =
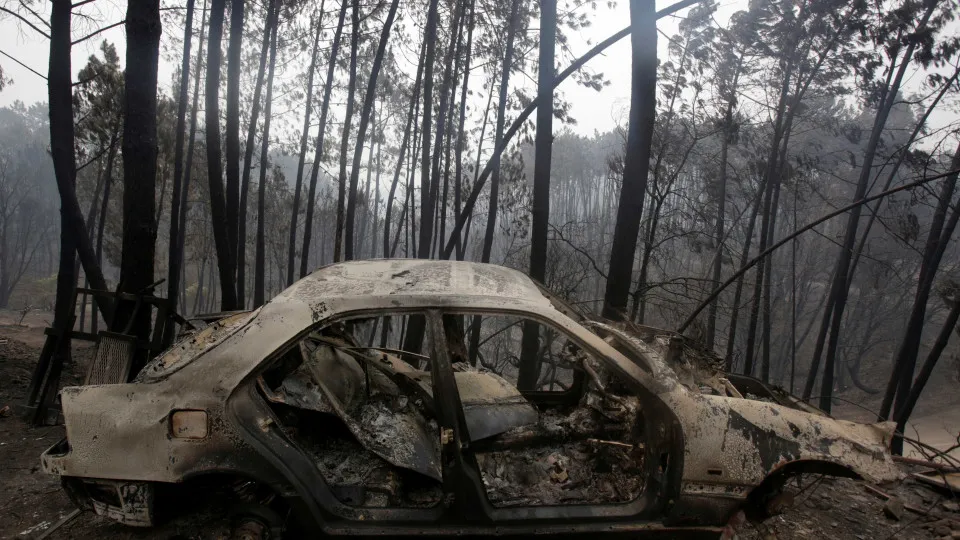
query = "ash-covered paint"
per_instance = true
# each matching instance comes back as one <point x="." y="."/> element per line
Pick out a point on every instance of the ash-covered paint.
<point x="731" y="444"/>
<point x="772" y="449"/>
<point x="734" y="442"/>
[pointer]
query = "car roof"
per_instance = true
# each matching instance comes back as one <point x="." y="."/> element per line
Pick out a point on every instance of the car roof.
<point x="419" y="279"/>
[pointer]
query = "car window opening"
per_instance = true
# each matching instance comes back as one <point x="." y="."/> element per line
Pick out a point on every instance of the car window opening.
<point x="357" y="396"/>
<point x="585" y="445"/>
<point x="375" y="443"/>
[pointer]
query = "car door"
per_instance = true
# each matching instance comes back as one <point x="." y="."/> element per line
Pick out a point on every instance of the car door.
<point x="395" y="354"/>
<point x="589" y="454"/>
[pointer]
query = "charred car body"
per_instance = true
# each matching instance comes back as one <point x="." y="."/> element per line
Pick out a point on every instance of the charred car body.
<point x="382" y="398"/>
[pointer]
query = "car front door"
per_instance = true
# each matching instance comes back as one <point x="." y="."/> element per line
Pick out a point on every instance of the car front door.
<point x="586" y="454"/>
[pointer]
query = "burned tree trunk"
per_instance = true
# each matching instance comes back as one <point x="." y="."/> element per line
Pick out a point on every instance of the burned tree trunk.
<point x="411" y="119"/>
<point x="188" y="167"/>
<point x="498" y="140"/>
<point x="64" y="162"/>
<point x="272" y="11"/>
<point x="413" y="338"/>
<point x="440" y="135"/>
<point x="726" y="135"/>
<point x="233" y="126"/>
<point x="544" y="142"/>
<point x="636" y="168"/>
<point x="770" y="180"/>
<point x="173" y="261"/>
<point x="908" y="403"/>
<point x="426" y="221"/>
<point x="72" y="239"/>
<point x="260" y="260"/>
<point x="461" y="134"/>
<point x="104" y="205"/>
<point x="529" y="369"/>
<point x="744" y="257"/>
<point x="941" y="229"/>
<point x="304" y="137"/>
<point x="139" y="166"/>
<point x="362" y="126"/>
<point x="318" y="154"/>
<point x="218" y="211"/>
<point x="345" y="137"/>
<point x="836" y="302"/>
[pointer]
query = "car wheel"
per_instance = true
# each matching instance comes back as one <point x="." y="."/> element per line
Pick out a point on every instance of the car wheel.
<point x="249" y="528"/>
<point x="255" y="522"/>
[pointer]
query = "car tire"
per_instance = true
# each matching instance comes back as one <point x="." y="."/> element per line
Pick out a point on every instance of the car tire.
<point x="255" y="522"/>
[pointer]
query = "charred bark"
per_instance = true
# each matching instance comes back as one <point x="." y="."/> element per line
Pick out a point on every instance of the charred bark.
<point x="836" y="302"/>
<point x="234" y="66"/>
<point x="191" y="145"/>
<point x="271" y="21"/>
<point x="937" y="239"/>
<point x="218" y="211"/>
<point x="637" y="162"/>
<point x="304" y="136"/>
<point x="744" y="257"/>
<point x="173" y="261"/>
<point x="426" y="220"/>
<point x="72" y="240"/>
<point x="442" y="129"/>
<point x="364" y="121"/>
<point x="411" y="119"/>
<point x="413" y="339"/>
<point x="318" y="154"/>
<point x="529" y="369"/>
<point x="461" y="134"/>
<point x="467" y="213"/>
<point x="726" y="135"/>
<point x="338" y="250"/>
<point x="260" y="260"/>
<point x="908" y="403"/>
<point x="139" y="167"/>
<point x="499" y="138"/>
<point x="64" y="163"/>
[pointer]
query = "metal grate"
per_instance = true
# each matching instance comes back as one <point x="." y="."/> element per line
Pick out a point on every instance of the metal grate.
<point x="111" y="362"/>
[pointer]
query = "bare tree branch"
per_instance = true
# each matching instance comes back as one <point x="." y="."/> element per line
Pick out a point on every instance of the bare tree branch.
<point x="716" y="292"/>
<point x="589" y="258"/>
<point x="104" y="29"/>
<point x="35" y="72"/>
<point x="25" y="21"/>
<point x="35" y="14"/>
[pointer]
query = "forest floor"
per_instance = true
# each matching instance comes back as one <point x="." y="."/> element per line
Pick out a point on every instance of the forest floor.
<point x="31" y="502"/>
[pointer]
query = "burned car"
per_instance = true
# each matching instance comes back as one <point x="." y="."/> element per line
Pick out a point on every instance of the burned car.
<point x="414" y="397"/>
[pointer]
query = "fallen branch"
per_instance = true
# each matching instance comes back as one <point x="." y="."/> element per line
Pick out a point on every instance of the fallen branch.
<point x="925" y="463"/>
<point x="883" y="496"/>
<point x="611" y="443"/>
<point x="66" y="519"/>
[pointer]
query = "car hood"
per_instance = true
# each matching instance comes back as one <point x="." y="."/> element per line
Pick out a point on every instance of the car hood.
<point x="740" y="429"/>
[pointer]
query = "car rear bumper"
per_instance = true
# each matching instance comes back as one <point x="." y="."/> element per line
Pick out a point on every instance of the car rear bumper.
<point x="130" y="503"/>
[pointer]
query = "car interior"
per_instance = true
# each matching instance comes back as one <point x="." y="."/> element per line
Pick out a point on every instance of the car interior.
<point x="547" y="424"/>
